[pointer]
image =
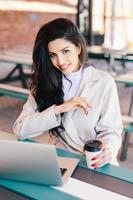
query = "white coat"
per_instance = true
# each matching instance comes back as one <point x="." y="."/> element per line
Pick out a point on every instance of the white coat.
<point x="103" y="122"/>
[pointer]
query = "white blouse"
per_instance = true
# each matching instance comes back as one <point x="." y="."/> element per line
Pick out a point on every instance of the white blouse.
<point x="71" y="83"/>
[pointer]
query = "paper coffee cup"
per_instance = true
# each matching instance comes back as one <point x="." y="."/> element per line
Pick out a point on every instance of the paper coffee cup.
<point x="92" y="148"/>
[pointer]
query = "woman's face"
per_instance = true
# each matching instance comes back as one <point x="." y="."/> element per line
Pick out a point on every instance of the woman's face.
<point x="64" y="55"/>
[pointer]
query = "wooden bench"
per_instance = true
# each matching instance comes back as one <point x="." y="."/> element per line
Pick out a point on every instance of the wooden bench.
<point x="15" y="58"/>
<point x="127" y="119"/>
<point x="110" y="55"/>
<point x="96" y="52"/>
<point x="21" y="61"/>
<point x="18" y="53"/>
<point x="127" y="129"/>
<point x="7" y="136"/>
<point x="13" y="91"/>
<point x="126" y="79"/>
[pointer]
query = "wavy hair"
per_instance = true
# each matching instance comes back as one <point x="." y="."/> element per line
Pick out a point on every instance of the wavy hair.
<point x="46" y="81"/>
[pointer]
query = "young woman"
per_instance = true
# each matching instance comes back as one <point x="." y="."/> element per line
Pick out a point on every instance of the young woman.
<point x="70" y="102"/>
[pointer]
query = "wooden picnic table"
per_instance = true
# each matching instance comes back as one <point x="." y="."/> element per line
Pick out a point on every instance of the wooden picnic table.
<point x="13" y="91"/>
<point x="126" y="79"/>
<point x="21" y="61"/>
<point x="110" y="55"/>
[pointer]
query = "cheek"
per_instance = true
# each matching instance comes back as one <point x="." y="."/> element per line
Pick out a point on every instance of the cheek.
<point x="73" y="57"/>
<point x="53" y="61"/>
<point x="76" y="57"/>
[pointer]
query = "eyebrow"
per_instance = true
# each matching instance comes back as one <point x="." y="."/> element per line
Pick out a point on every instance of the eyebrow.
<point x="60" y="50"/>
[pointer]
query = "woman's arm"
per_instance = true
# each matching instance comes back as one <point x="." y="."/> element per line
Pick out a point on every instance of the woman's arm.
<point x="32" y="123"/>
<point x="74" y="103"/>
<point x="109" y="126"/>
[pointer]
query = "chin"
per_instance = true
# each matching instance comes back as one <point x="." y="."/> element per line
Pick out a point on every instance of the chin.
<point x="67" y="72"/>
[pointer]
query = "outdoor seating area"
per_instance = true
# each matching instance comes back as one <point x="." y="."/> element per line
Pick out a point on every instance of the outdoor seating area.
<point x="14" y="80"/>
<point x="22" y="61"/>
<point x="106" y="27"/>
<point x="124" y="83"/>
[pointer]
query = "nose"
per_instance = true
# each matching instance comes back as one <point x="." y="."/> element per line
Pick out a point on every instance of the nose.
<point x="60" y="60"/>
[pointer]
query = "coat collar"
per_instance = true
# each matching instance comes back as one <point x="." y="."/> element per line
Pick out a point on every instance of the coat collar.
<point x="91" y="74"/>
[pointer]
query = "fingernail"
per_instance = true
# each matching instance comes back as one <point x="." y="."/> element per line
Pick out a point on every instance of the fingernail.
<point x="102" y="145"/>
<point x="93" y="165"/>
<point x="93" y="158"/>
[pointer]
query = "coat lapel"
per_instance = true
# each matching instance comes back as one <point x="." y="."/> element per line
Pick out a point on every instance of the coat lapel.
<point x="67" y="121"/>
<point x="70" y="129"/>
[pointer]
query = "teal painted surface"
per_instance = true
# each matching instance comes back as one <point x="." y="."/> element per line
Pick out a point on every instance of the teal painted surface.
<point x="127" y="83"/>
<point x="41" y="192"/>
<point x="34" y="191"/>
<point x="13" y="94"/>
<point x="109" y="170"/>
<point x="129" y="128"/>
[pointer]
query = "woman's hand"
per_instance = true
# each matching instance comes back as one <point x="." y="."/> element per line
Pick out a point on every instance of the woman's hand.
<point x="73" y="104"/>
<point x="103" y="158"/>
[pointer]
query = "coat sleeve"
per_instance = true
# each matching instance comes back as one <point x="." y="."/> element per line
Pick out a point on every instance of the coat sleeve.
<point x="109" y="126"/>
<point x="32" y="123"/>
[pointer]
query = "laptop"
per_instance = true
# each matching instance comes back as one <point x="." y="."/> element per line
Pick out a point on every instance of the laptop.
<point x="34" y="163"/>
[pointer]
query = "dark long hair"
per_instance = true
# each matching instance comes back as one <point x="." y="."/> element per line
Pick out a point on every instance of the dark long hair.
<point x="46" y="80"/>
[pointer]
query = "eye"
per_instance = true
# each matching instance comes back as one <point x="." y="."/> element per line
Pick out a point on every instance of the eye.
<point x="66" y="51"/>
<point x="51" y="55"/>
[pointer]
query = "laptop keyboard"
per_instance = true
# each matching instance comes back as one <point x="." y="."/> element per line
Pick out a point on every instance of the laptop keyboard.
<point x="63" y="170"/>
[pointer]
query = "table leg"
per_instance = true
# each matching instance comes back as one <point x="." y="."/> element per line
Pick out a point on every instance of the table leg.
<point x="124" y="146"/>
<point x="22" y="76"/>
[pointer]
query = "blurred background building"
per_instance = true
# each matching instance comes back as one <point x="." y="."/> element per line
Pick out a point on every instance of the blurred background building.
<point x="103" y="22"/>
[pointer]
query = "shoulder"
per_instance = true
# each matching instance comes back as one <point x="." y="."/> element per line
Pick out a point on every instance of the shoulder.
<point x="93" y="74"/>
<point x="31" y="102"/>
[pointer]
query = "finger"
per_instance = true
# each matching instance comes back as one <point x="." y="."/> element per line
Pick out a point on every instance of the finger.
<point x="101" y="163"/>
<point x="105" y="149"/>
<point x="105" y="159"/>
<point x="103" y="145"/>
<point x="85" y="107"/>
<point x="105" y="153"/>
<point x="87" y="110"/>
<point x="86" y="102"/>
<point x="98" y="165"/>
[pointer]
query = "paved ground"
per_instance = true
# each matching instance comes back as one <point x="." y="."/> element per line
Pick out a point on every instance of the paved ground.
<point x="11" y="107"/>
